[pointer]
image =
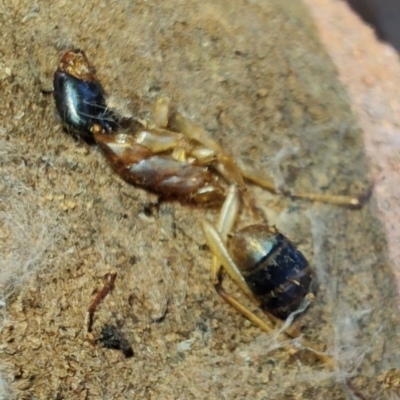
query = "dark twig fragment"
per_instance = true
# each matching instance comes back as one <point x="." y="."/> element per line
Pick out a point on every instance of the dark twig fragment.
<point x="108" y="286"/>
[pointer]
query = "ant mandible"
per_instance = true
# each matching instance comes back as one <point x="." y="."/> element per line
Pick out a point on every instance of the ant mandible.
<point x="177" y="159"/>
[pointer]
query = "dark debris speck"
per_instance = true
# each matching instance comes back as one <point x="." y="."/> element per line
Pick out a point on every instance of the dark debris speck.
<point x="113" y="338"/>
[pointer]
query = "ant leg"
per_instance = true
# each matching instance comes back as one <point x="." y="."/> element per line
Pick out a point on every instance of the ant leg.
<point x="159" y="121"/>
<point x="257" y="177"/>
<point x="217" y="246"/>
<point x="229" y="212"/>
<point x="224" y="164"/>
<point x="160" y="113"/>
<point x="261" y="180"/>
<point x="328" y="361"/>
<point x="227" y="218"/>
<point x="178" y="123"/>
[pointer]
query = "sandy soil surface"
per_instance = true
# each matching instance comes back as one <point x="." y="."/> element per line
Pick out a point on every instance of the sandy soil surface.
<point x="256" y="76"/>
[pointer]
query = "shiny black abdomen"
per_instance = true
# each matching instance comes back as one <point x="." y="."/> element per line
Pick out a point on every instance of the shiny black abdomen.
<point x="80" y="104"/>
<point x="281" y="279"/>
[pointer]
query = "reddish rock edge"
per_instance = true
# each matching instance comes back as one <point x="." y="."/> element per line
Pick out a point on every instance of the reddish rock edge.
<point x="370" y="70"/>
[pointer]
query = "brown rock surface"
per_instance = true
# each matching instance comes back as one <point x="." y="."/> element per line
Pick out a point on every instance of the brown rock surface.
<point x="256" y="76"/>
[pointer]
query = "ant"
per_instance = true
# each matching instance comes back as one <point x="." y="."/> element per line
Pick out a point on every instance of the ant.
<point x="169" y="155"/>
<point x="177" y="159"/>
